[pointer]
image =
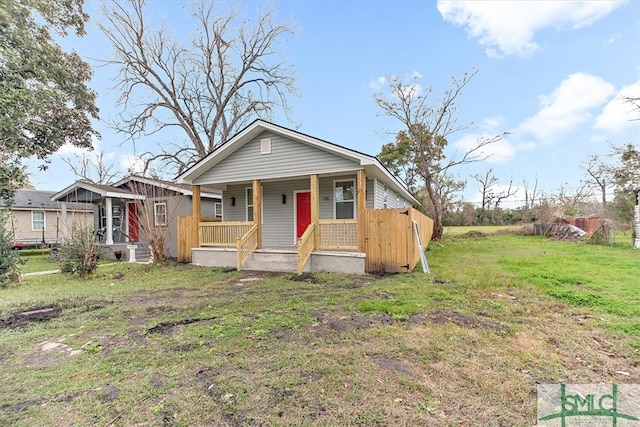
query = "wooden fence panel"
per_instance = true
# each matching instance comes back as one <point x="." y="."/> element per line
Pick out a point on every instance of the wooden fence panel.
<point x="389" y="239"/>
<point x="186" y="238"/>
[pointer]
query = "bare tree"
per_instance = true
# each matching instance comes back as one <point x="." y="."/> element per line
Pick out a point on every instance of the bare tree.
<point x="599" y="174"/>
<point x="486" y="181"/>
<point x="499" y="196"/>
<point x="92" y="167"/>
<point x="227" y="74"/>
<point x="573" y="202"/>
<point x="429" y="123"/>
<point x="530" y="194"/>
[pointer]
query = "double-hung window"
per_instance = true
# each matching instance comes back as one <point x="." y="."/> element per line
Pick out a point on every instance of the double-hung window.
<point x="37" y="221"/>
<point x="345" y="199"/>
<point x="160" y="213"/>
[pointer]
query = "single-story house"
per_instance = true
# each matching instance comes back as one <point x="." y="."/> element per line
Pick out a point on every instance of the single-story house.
<point x="37" y="220"/>
<point x="295" y="202"/>
<point x="124" y="212"/>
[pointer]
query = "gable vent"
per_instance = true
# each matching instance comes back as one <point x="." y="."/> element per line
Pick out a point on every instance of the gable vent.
<point x="265" y="146"/>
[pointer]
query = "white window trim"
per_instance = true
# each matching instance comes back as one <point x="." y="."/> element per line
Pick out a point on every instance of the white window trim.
<point x="355" y="195"/>
<point x="216" y="213"/>
<point x="155" y="213"/>
<point x="44" y="221"/>
<point x="246" y="204"/>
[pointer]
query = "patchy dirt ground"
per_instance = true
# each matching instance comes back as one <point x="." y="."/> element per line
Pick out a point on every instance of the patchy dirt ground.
<point x="269" y="349"/>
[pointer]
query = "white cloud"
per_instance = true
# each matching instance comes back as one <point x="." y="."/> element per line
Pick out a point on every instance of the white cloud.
<point x="69" y="149"/>
<point x="614" y="38"/>
<point x="620" y="114"/>
<point x="378" y="83"/>
<point x="132" y="163"/>
<point x="510" y="26"/>
<point x="568" y="106"/>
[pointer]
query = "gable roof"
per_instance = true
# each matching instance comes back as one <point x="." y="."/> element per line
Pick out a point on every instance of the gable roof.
<point x="116" y="191"/>
<point x="41" y="200"/>
<point x="102" y="190"/>
<point x="184" y="189"/>
<point x="371" y="164"/>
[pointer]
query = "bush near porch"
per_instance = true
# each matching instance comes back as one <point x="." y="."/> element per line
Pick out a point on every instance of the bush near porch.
<point x="181" y="345"/>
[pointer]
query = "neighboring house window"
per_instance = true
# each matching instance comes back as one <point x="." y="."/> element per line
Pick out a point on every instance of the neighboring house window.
<point x="217" y="209"/>
<point x="160" y="213"/>
<point x="345" y="201"/>
<point x="37" y="221"/>
<point x="249" y="204"/>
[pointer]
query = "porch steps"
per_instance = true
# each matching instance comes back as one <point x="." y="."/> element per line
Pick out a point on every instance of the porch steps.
<point x="272" y="261"/>
<point x="143" y="253"/>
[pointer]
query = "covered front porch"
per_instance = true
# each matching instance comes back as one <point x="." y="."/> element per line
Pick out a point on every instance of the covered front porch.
<point x="319" y="243"/>
<point x="374" y="240"/>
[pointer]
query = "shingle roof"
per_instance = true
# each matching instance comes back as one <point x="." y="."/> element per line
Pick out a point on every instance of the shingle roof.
<point x="35" y="199"/>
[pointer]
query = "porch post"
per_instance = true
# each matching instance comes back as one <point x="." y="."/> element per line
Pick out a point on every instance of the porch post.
<point x="64" y="228"/>
<point x="315" y="210"/>
<point x="361" y="200"/>
<point x="195" y="214"/>
<point x="257" y="209"/>
<point x="109" y="211"/>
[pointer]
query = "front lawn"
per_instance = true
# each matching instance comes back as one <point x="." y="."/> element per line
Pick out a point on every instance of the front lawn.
<point x="183" y="346"/>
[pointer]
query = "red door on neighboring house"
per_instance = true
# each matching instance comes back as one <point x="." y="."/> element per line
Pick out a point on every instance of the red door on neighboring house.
<point x="303" y="212"/>
<point x="133" y="222"/>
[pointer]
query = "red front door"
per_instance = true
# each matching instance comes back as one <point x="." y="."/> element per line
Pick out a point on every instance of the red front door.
<point x="303" y="213"/>
<point x="133" y="222"/>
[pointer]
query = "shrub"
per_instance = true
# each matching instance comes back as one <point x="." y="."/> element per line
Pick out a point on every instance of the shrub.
<point x="9" y="258"/>
<point x="79" y="253"/>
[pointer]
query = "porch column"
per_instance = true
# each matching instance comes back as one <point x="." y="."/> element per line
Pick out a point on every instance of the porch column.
<point x="257" y="209"/>
<point x="64" y="228"/>
<point x="195" y="214"/>
<point x="361" y="204"/>
<point x="109" y="211"/>
<point x="315" y="210"/>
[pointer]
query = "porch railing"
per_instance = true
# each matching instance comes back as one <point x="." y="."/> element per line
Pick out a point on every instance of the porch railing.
<point x="336" y="234"/>
<point x="246" y="245"/>
<point x="305" y="247"/>
<point x="224" y="234"/>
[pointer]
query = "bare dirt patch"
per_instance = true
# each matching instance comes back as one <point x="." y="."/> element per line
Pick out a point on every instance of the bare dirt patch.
<point x="165" y="328"/>
<point x="449" y="316"/>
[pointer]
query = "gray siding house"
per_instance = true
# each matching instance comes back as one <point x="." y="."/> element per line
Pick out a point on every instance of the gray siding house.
<point x="124" y="212"/>
<point x="286" y="183"/>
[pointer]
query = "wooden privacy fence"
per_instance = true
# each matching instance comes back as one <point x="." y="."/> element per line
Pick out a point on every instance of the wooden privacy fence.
<point x="187" y="238"/>
<point x="390" y="242"/>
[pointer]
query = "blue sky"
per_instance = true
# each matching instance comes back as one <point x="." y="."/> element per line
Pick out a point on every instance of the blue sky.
<point x="550" y="73"/>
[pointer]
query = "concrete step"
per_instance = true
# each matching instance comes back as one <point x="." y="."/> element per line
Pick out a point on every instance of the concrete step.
<point x="272" y="261"/>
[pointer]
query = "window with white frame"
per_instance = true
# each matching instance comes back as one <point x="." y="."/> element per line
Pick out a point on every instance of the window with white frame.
<point x="249" y="204"/>
<point x="160" y="213"/>
<point x="37" y="221"/>
<point x="217" y="209"/>
<point x="345" y="199"/>
<point x="385" y="195"/>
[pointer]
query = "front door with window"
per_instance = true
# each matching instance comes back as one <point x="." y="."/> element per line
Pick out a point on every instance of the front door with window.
<point x="303" y="212"/>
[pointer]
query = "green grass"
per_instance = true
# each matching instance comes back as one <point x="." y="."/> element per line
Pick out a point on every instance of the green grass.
<point x="35" y="263"/>
<point x="466" y="345"/>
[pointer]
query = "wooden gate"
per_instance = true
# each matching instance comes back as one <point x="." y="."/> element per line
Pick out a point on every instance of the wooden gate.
<point x="390" y="242"/>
